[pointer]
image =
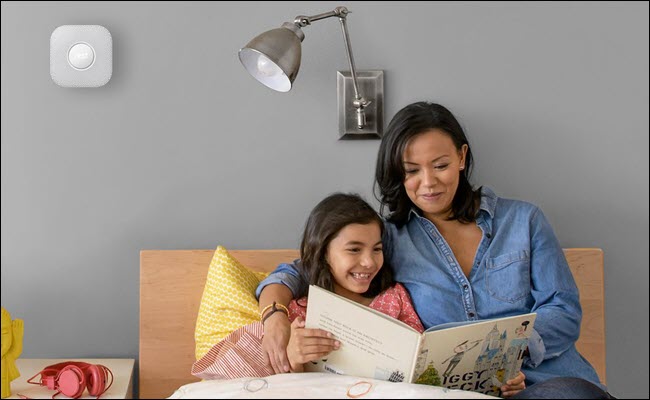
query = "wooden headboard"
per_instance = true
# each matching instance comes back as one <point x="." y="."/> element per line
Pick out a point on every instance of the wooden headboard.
<point x="171" y="286"/>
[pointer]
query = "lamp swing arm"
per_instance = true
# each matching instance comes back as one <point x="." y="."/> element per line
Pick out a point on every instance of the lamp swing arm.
<point x="359" y="102"/>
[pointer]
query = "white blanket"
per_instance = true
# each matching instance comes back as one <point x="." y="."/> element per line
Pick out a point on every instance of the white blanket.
<point x="315" y="385"/>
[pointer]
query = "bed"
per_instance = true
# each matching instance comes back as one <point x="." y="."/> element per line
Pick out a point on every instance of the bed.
<point x="171" y="285"/>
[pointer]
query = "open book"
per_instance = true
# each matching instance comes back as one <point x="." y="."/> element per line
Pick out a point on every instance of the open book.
<point x="477" y="355"/>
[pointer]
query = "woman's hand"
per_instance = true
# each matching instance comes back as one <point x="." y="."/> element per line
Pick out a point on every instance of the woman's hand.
<point x="307" y="345"/>
<point x="514" y="385"/>
<point x="277" y="327"/>
<point x="277" y="331"/>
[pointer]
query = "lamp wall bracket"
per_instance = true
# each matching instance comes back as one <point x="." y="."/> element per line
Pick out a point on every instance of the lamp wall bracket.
<point x="371" y="83"/>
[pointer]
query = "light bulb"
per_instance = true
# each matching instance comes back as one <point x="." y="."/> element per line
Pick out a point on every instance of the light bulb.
<point x="267" y="67"/>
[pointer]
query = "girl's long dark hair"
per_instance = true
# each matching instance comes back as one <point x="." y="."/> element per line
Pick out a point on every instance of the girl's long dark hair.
<point x="326" y="220"/>
<point x="409" y="122"/>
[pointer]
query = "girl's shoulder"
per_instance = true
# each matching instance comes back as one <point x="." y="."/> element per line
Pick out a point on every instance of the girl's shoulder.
<point x="397" y="290"/>
<point x="297" y="308"/>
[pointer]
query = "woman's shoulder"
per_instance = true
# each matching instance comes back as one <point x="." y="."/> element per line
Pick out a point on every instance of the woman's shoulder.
<point x="490" y="201"/>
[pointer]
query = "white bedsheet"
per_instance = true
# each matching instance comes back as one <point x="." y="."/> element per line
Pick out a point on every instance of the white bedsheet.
<point x="315" y="385"/>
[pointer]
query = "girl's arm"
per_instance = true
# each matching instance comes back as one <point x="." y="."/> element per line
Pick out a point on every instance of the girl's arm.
<point x="308" y="345"/>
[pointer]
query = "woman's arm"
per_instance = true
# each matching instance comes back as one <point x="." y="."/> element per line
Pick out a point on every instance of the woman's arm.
<point x="286" y="274"/>
<point x="281" y="286"/>
<point x="277" y="328"/>
<point x="557" y="305"/>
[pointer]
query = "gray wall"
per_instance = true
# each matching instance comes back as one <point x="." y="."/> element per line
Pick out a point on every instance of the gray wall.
<point x="182" y="149"/>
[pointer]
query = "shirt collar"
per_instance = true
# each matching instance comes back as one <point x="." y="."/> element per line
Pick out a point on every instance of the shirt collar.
<point x="488" y="200"/>
<point x="414" y="212"/>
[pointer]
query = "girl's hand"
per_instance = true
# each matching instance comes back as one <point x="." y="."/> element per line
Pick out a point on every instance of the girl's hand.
<point x="514" y="385"/>
<point x="277" y="330"/>
<point x="307" y="345"/>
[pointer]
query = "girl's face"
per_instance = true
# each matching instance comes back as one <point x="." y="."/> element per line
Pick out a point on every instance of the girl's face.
<point x="355" y="257"/>
<point x="432" y="166"/>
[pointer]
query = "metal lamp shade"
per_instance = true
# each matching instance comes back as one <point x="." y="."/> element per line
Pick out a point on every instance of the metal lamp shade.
<point x="273" y="58"/>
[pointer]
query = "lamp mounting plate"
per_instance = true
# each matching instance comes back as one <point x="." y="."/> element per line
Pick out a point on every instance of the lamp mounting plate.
<point x="371" y="87"/>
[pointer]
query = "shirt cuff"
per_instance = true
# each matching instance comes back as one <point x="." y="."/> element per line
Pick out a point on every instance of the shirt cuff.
<point x="536" y="349"/>
<point x="284" y="278"/>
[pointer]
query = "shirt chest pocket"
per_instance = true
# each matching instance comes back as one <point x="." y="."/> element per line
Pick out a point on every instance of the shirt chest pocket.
<point x="508" y="276"/>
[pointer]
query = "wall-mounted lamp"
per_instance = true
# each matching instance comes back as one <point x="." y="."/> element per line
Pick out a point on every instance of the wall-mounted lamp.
<point x="273" y="58"/>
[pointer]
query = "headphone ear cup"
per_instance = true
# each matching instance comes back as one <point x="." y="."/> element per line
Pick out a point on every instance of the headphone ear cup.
<point x="95" y="380"/>
<point x="71" y="381"/>
<point x="48" y="381"/>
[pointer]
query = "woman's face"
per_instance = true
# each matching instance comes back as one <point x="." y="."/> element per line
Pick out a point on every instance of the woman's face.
<point x="355" y="257"/>
<point x="432" y="166"/>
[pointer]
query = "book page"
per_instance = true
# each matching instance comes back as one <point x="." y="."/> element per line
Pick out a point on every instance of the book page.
<point x="478" y="356"/>
<point x="372" y="345"/>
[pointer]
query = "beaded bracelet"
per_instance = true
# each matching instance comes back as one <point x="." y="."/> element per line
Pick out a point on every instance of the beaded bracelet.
<point x="265" y="309"/>
<point x="275" y="305"/>
<point x="286" y="310"/>
<point x="274" y="309"/>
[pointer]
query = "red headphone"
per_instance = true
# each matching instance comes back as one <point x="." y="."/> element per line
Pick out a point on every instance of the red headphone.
<point x="72" y="377"/>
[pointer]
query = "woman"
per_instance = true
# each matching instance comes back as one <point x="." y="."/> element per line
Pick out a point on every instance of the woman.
<point x="463" y="253"/>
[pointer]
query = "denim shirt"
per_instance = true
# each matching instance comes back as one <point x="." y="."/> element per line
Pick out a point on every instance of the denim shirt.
<point x="519" y="268"/>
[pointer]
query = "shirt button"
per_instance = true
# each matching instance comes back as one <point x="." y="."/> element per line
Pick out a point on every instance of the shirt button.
<point x="488" y="235"/>
<point x="465" y="287"/>
<point x="471" y="315"/>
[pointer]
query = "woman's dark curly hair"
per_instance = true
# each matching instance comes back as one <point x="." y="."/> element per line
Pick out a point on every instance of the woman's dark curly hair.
<point x="326" y="220"/>
<point x="409" y="122"/>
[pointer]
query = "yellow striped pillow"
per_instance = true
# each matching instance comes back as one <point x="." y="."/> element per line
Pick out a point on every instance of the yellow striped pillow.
<point x="228" y="301"/>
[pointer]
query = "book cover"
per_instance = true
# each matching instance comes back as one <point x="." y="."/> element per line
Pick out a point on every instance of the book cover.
<point x="476" y="355"/>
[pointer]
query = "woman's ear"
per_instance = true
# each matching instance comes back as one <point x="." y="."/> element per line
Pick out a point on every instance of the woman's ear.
<point x="462" y="154"/>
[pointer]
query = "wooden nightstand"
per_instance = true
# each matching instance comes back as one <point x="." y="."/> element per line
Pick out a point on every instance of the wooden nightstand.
<point x="122" y="387"/>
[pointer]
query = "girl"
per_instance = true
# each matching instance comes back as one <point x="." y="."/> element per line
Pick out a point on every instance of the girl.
<point x="341" y="251"/>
